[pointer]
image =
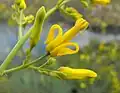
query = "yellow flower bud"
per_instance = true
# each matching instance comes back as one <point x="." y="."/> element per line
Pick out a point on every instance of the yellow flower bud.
<point x="102" y="2"/>
<point x="71" y="73"/>
<point x="22" y="4"/>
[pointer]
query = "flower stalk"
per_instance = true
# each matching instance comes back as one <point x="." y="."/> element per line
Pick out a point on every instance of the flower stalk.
<point x="20" y="25"/>
<point x="25" y="65"/>
<point x="13" y="52"/>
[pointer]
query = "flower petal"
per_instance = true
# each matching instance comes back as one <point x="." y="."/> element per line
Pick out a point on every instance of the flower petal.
<point x="71" y="33"/>
<point x="52" y="40"/>
<point x="51" y="34"/>
<point x="77" y="73"/>
<point x="63" y="50"/>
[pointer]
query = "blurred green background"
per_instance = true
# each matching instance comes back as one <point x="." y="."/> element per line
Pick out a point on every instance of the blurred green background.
<point x="99" y="50"/>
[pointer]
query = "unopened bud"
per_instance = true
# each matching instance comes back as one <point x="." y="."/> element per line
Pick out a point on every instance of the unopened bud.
<point x="73" y="13"/>
<point x="22" y="5"/>
<point x="101" y="2"/>
<point x="29" y="19"/>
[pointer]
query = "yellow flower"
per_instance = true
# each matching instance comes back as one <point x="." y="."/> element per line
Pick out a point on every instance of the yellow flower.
<point x="71" y="73"/>
<point x="59" y="45"/>
<point x="102" y="2"/>
<point x="21" y="4"/>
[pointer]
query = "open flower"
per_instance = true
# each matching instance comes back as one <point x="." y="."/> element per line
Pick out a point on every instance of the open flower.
<point x="59" y="45"/>
<point x="71" y="73"/>
<point x="102" y="2"/>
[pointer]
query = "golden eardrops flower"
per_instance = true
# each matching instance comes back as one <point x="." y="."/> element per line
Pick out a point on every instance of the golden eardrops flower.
<point x="71" y="73"/>
<point x="102" y="2"/>
<point x="59" y="45"/>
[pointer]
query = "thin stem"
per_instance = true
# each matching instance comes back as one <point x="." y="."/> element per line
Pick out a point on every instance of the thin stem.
<point x="20" y="25"/>
<point x="13" y="52"/>
<point x="64" y="2"/>
<point x="46" y="63"/>
<point x="20" y="32"/>
<point x="24" y="66"/>
<point x="51" y="11"/>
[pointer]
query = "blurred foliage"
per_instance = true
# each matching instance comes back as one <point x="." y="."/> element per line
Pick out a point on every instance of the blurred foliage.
<point x="111" y="11"/>
<point x="108" y="14"/>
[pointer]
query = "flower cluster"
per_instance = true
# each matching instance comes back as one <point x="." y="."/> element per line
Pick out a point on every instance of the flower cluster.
<point x="59" y="45"/>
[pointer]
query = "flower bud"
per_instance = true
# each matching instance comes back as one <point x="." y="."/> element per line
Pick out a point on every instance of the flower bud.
<point x="101" y="2"/>
<point x="77" y="73"/>
<point x="29" y="19"/>
<point x="73" y="13"/>
<point x="37" y="27"/>
<point x="22" y="5"/>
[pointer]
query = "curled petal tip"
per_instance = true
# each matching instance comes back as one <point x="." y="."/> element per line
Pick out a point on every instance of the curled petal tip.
<point x="93" y="74"/>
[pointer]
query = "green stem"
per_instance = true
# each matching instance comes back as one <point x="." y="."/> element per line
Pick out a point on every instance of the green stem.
<point x="20" y="25"/>
<point x="24" y="66"/>
<point x="20" y="32"/>
<point x="45" y="64"/>
<point x="51" y="11"/>
<point x="64" y="2"/>
<point x="13" y="52"/>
